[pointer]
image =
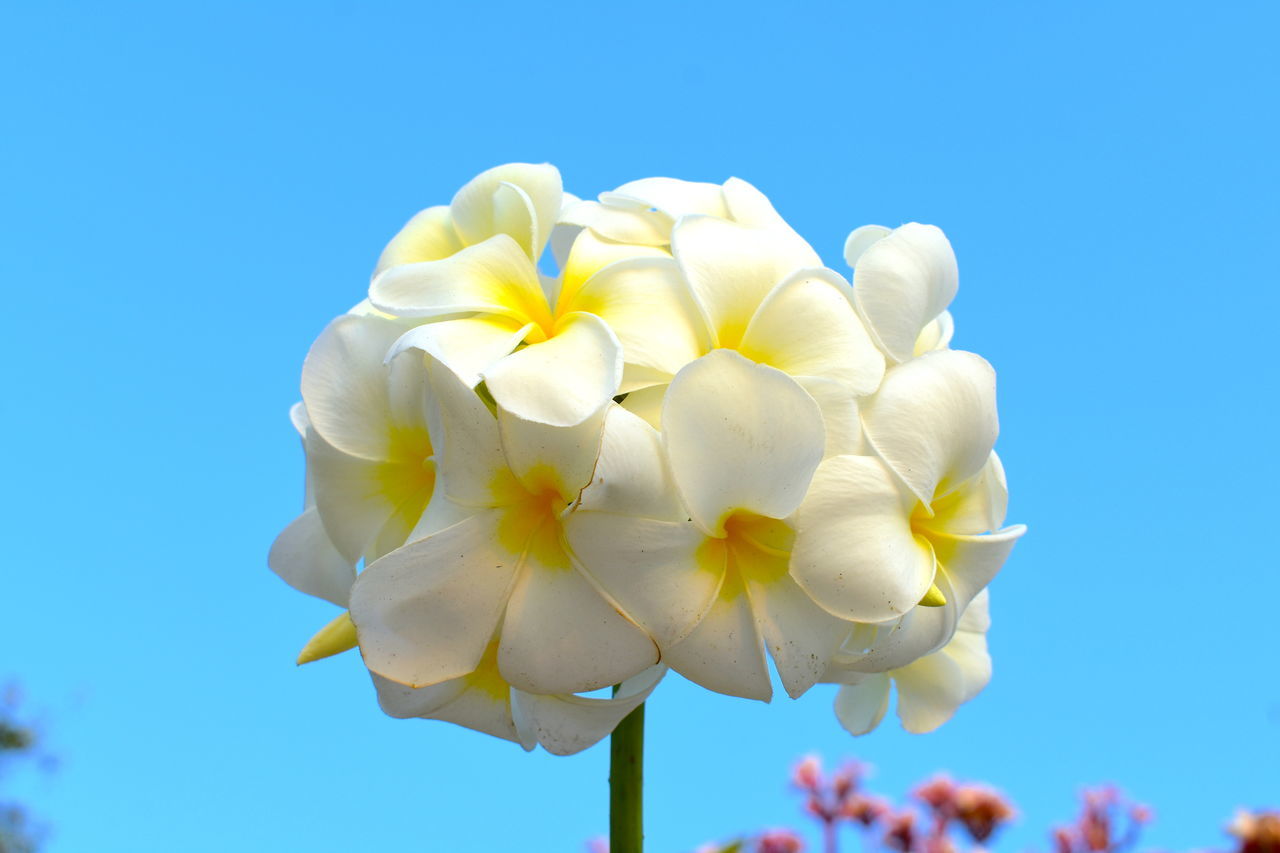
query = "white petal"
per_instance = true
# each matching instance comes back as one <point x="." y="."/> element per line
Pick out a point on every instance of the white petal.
<point x="304" y="558"/>
<point x="672" y="196"/>
<point x="731" y="268"/>
<point x="346" y="385"/>
<point x="426" y="612"/>
<point x="469" y="461"/>
<point x="649" y="568"/>
<point x="929" y="692"/>
<point x="298" y="417"/>
<point x="589" y="254"/>
<point x="356" y="497"/>
<point x="428" y="236"/>
<point x="649" y="307"/>
<point x="404" y="702"/>
<point x="725" y="652"/>
<point x="748" y="206"/>
<point x="855" y="552"/>
<point x="978" y="505"/>
<point x="860" y="239"/>
<point x="481" y="711"/>
<point x="936" y="335"/>
<point x="806" y="326"/>
<point x="646" y="404"/>
<point x="971" y="562"/>
<point x="568" y="724"/>
<point x="740" y="436"/>
<point x="558" y="458"/>
<point x="467" y="345"/>
<point x="495" y="277"/>
<point x="561" y="636"/>
<point x="933" y="421"/>
<point x="563" y="380"/>
<point x="518" y="199"/>
<point x="860" y="707"/>
<point x="631" y="476"/>
<point x="800" y="635"/>
<point x="977" y="616"/>
<point x="634" y="226"/>
<point x="840" y="416"/>
<point x="902" y="282"/>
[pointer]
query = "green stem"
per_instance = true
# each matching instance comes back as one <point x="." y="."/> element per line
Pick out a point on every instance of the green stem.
<point x="626" y="784"/>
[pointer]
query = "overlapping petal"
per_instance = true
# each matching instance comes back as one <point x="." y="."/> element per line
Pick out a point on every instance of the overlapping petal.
<point x="901" y="282"/>
<point x="425" y="612"/>
<point x="740" y="436"/>
<point x="563" y="380"/>
<point x="855" y="551"/>
<point x="731" y="268"/>
<point x="647" y="304"/>
<point x="560" y="635"/>
<point x="806" y="326"/>
<point x="521" y="200"/>
<point x="305" y="558"/>
<point x="933" y="421"/>
<point x="494" y="277"/>
<point x="428" y="236"/>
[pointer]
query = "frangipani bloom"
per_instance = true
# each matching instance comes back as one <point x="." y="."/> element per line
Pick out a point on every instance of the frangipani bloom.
<point x="492" y="560"/>
<point x="370" y="465"/>
<point x="548" y="351"/>
<point x="765" y="294"/>
<point x="742" y="441"/>
<point x="930" y="688"/>
<point x="879" y="535"/>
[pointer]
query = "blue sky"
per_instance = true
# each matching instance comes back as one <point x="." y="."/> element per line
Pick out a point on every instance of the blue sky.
<point x="190" y="193"/>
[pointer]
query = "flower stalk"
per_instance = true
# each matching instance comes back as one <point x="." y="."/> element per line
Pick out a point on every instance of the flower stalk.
<point x="626" y="784"/>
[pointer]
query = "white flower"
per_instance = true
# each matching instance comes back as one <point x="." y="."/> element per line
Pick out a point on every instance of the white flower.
<point x="930" y="688"/>
<point x="493" y="560"/>
<point x="877" y="535"/>
<point x="712" y="586"/>
<point x="486" y="298"/>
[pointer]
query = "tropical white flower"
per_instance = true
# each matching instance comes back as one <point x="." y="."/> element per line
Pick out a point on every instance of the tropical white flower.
<point x="878" y="535"/>
<point x="765" y="294"/>
<point x="492" y="560"/>
<point x="712" y="587"/>
<point x="903" y="280"/>
<point x="930" y="688"/>
<point x="486" y="298"/>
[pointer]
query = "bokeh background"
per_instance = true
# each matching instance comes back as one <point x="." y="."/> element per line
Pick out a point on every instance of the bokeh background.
<point x="190" y="191"/>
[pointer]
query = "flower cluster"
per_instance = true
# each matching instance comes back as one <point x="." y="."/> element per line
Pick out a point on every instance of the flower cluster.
<point x="693" y="447"/>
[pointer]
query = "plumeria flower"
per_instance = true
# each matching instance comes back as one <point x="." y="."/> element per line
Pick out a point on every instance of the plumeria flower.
<point x="876" y="535"/>
<point x="903" y="280"/>
<point x="712" y="587"/>
<point x="548" y="351"/>
<point x="766" y="295"/>
<point x="492" y="560"/>
<point x="930" y="689"/>
<point x="484" y="701"/>
<point x="370" y="465"/>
